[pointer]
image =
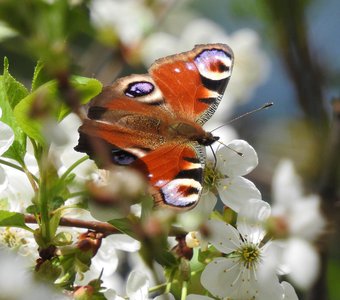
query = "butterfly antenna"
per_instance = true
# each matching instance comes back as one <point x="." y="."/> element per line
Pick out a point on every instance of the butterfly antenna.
<point x="264" y="106"/>
<point x="237" y="152"/>
<point x="215" y="158"/>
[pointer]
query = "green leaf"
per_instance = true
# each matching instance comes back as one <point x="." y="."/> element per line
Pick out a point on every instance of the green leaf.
<point x="12" y="219"/>
<point x="33" y="209"/>
<point x="62" y="239"/>
<point x="11" y="93"/>
<point x="39" y="76"/>
<point x="47" y="95"/>
<point x="48" y="271"/>
<point x="22" y="112"/>
<point x="208" y="255"/>
<point x="123" y="225"/>
<point x="15" y="91"/>
<point x="87" y="89"/>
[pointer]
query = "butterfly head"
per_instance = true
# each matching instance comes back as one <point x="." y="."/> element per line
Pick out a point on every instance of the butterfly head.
<point x="207" y="139"/>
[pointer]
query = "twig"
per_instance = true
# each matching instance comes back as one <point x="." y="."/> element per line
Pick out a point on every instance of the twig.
<point x="102" y="227"/>
<point x="105" y="228"/>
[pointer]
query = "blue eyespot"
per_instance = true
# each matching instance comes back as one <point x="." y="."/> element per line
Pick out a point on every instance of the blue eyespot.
<point x="120" y="157"/>
<point x="138" y="89"/>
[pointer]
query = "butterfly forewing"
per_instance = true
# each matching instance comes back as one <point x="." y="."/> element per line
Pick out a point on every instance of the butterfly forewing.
<point x="193" y="82"/>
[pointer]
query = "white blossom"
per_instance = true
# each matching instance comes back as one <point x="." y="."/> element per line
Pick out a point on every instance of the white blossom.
<point x="129" y="19"/>
<point x="13" y="273"/>
<point x="248" y="270"/>
<point x="106" y="260"/>
<point x="6" y="140"/>
<point x="300" y="217"/>
<point x="233" y="162"/>
<point x="137" y="288"/>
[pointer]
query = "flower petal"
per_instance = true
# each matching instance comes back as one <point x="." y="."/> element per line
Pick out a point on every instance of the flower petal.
<point x="271" y="260"/>
<point x="192" y="219"/>
<point x="106" y="259"/>
<point x="112" y="295"/>
<point x="289" y="291"/>
<point x="287" y="185"/>
<point x="3" y="180"/>
<point x="235" y="191"/>
<point x="305" y="219"/>
<point x="251" y="217"/>
<point x="198" y="297"/>
<point x="302" y="261"/>
<point x="219" y="275"/>
<point x="223" y="236"/>
<point x="232" y="164"/>
<point x="123" y="242"/>
<point x="137" y="287"/>
<point x="166" y="297"/>
<point x="6" y="137"/>
<point x="269" y="289"/>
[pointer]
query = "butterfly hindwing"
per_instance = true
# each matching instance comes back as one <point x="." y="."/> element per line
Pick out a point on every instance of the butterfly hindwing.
<point x="175" y="173"/>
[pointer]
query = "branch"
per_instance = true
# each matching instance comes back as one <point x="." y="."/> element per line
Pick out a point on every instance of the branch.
<point x="102" y="227"/>
<point x="105" y="228"/>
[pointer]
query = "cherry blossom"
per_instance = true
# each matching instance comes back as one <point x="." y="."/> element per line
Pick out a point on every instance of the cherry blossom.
<point x="129" y="19"/>
<point x="248" y="270"/>
<point x="13" y="271"/>
<point x="299" y="217"/>
<point x="233" y="162"/>
<point x="6" y="140"/>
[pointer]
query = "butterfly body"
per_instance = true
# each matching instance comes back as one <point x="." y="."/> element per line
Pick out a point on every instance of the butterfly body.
<point x="153" y="122"/>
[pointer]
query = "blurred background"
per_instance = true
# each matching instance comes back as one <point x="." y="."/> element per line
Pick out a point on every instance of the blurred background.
<point x="287" y="52"/>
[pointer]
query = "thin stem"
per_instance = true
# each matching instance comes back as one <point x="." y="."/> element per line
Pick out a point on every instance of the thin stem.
<point x="73" y="166"/>
<point x="168" y="287"/>
<point x="14" y="166"/>
<point x="34" y="181"/>
<point x="184" y="291"/>
<point x="43" y="203"/>
<point x="170" y="281"/>
<point x="158" y="287"/>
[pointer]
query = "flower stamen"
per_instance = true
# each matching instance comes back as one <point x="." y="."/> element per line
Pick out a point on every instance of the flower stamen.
<point x="249" y="255"/>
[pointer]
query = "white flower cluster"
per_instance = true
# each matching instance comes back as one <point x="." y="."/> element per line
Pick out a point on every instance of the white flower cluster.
<point x="13" y="274"/>
<point x="300" y="217"/>
<point x="250" y="264"/>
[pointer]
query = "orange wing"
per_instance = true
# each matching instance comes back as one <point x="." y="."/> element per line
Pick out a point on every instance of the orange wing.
<point x="175" y="173"/>
<point x="193" y="82"/>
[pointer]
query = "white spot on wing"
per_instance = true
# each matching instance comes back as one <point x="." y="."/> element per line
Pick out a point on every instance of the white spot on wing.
<point x="174" y="196"/>
<point x="136" y="151"/>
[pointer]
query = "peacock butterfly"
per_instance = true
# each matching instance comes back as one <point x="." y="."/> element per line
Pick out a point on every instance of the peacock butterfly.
<point x="153" y="122"/>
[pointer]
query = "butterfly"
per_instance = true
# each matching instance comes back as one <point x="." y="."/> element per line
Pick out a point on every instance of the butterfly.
<point x="153" y="122"/>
